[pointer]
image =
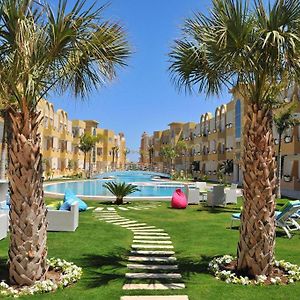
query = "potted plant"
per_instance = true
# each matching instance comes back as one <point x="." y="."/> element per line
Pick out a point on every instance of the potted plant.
<point x="120" y="190"/>
<point x="287" y="178"/>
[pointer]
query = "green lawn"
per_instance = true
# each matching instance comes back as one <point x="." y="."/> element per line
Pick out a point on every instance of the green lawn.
<point x="197" y="233"/>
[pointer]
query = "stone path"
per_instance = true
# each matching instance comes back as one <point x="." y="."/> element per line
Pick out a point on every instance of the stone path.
<point x="152" y="263"/>
<point x="127" y="208"/>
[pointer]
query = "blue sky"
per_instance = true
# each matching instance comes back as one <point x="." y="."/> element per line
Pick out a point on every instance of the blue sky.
<point x="143" y="97"/>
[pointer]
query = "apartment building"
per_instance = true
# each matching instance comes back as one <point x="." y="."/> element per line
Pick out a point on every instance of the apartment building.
<point x="217" y="138"/>
<point x="60" y="140"/>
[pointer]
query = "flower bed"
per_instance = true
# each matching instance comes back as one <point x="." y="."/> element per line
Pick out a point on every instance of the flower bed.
<point x="287" y="272"/>
<point x="66" y="274"/>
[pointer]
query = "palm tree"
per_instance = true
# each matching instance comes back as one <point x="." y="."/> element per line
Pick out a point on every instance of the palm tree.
<point x="283" y="120"/>
<point x="120" y="190"/>
<point x="169" y="154"/>
<point x="254" y="50"/>
<point x="115" y="151"/>
<point x="87" y="144"/>
<point x="182" y="148"/>
<point x="43" y="51"/>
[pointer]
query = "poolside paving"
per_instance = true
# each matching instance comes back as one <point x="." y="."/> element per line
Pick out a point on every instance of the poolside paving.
<point x="150" y="258"/>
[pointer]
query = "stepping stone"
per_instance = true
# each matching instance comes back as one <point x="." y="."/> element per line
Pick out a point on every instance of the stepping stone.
<point x="142" y="237"/>
<point x="138" y="246"/>
<point x="99" y="208"/>
<point x="151" y="252"/>
<point x="135" y="225"/>
<point x="143" y="233"/>
<point x="123" y="208"/>
<point x="154" y="286"/>
<point x="152" y="267"/>
<point x="152" y="242"/>
<point x="90" y="207"/>
<point x="142" y="228"/>
<point x="116" y="220"/>
<point x="136" y="208"/>
<point x="153" y="275"/>
<point x="152" y="259"/>
<point x="111" y="209"/>
<point x="150" y="230"/>
<point x="108" y="212"/>
<point x="176" y="297"/>
<point x="124" y="224"/>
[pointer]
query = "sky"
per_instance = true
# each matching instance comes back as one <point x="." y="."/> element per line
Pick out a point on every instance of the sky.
<point x="143" y="97"/>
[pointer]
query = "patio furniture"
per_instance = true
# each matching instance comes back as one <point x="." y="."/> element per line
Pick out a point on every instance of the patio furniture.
<point x="63" y="220"/>
<point x="3" y="226"/>
<point x="179" y="199"/>
<point x="283" y="219"/>
<point x="202" y="186"/>
<point x="231" y="196"/>
<point x="3" y="190"/>
<point x="193" y="195"/>
<point x="216" y="197"/>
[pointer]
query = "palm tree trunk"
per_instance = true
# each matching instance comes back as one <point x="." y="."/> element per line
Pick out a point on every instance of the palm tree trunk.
<point x="279" y="168"/>
<point x="90" y="162"/>
<point x="257" y="231"/>
<point x="84" y="162"/>
<point x="28" y="226"/>
<point x="3" y="149"/>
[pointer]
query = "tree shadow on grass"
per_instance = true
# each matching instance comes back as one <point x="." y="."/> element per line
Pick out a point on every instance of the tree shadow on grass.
<point x="189" y="266"/>
<point x="100" y="270"/>
<point x="219" y="209"/>
<point x="3" y="269"/>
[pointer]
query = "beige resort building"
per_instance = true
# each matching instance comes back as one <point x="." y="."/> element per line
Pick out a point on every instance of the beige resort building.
<point x="217" y="138"/>
<point x="60" y="139"/>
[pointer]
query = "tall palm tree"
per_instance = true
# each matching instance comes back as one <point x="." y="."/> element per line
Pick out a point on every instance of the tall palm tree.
<point x="86" y="145"/>
<point x="169" y="153"/>
<point x="284" y="119"/>
<point x="182" y="148"/>
<point x="253" y="49"/>
<point x="42" y="50"/>
<point x="115" y="151"/>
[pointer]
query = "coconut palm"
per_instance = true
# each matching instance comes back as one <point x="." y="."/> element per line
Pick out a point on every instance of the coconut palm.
<point x="283" y="120"/>
<point x="252" y="49"/>
<point x="43" y="51"/>
<point x="120" y="190"/>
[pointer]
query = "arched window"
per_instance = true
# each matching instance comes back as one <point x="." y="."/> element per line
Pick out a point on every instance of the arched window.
<point x="238" y="119"/>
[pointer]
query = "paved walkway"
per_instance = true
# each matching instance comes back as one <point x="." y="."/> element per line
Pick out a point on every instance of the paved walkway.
<point x="152" y="263"/>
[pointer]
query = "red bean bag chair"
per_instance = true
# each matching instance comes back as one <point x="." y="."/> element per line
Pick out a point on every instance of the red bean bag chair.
<point x="179" y="199"/>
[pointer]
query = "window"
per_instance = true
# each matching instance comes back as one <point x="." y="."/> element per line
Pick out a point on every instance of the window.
<point x="238" y="119"/>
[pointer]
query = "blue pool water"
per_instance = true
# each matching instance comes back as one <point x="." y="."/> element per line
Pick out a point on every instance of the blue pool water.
<point x="148" y="183"/>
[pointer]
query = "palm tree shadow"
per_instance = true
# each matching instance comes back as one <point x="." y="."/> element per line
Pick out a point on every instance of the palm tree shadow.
<point x="3" y="270"/>
<point x="189" y="266"/>
<point x="102" y="269"/>
<point x="219" y="209"/>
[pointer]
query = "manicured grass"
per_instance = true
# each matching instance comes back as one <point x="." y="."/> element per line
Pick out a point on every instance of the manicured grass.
<point x="198" y="234"/>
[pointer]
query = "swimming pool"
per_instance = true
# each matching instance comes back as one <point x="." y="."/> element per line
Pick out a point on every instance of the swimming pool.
<point x="154" y="185"/>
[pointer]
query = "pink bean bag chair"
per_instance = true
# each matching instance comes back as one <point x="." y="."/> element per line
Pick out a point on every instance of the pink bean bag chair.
<point x="179" y="199"/>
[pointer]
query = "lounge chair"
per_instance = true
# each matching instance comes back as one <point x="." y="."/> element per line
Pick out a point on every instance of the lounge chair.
<point x="202" y="186"/>
<point x="283" y="219"/>
<point x="193" y="196"/>
<point x="231" y="196"/>
<point x="3" y="226"/>
<point x="63" y="220"/>
<point x="216" y="197"/>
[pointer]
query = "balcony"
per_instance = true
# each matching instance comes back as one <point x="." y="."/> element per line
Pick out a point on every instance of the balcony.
<point x="50" y="131"/>
<point x="213" y="156"/>
<point x="221" y="134"/>
<point x="289" y="145"/>
<point x="221" y="156"/>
